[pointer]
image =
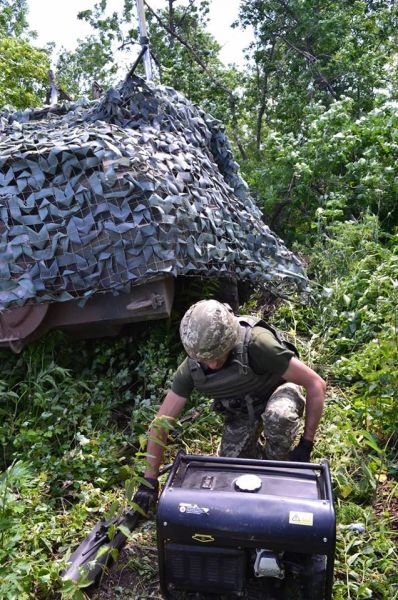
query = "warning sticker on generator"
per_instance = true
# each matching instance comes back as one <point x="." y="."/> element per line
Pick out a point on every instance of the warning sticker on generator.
<point x="301" y="518"/>
<point x="192" y="509"/>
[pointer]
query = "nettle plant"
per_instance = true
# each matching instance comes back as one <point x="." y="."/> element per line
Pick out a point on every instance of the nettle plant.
<point x="357" y="328"/>
<point x="351" y="319"/>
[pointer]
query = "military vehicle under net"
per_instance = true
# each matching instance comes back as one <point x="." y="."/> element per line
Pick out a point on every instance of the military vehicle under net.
<point x="103" y="204"/>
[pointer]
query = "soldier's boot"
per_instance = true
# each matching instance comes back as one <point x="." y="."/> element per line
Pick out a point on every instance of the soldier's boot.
<point x="282" y="420"/>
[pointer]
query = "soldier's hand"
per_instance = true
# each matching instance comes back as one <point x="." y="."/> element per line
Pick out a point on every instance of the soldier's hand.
<point x="147" y="494"/>
<point x="302" y="452"/>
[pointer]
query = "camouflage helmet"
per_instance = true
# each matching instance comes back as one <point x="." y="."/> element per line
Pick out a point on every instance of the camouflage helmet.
<point x="209" y="330"/>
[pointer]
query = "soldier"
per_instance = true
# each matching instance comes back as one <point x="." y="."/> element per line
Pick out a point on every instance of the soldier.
<point x="253" y="377"/>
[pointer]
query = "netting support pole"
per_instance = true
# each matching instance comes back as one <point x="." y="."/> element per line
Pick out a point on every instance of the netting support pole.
<point x="144" y="41"/>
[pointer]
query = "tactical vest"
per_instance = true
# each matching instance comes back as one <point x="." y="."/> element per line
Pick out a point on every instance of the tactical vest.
<point x="237" y="381"/>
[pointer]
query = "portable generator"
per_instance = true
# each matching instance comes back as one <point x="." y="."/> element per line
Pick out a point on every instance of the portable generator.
<point x="231" y="527"/>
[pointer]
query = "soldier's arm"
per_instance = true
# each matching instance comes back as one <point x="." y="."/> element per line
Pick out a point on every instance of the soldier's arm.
<point x="297" y="372"/>
<point x="171" y="407"/>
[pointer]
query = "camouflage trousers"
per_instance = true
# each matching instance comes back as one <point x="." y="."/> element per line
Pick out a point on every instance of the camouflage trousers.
<point x="279" y="421"/>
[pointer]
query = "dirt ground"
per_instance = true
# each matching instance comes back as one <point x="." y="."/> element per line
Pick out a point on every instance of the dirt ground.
<point x="386" y="502"/>
<point x="135" y="575"/>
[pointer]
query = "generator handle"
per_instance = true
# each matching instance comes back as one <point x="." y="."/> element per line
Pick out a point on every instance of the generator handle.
<point x="323" y="466"/>
<point x="165" y="469"/>
<point x="172" y="468"/>
<point x="328" y="479"/>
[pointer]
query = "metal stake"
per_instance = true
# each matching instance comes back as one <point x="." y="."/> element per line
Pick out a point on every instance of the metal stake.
<point x="144" y="41"/>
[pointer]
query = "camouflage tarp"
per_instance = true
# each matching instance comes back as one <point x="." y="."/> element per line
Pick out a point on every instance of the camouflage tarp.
<point x="98" y="196"/>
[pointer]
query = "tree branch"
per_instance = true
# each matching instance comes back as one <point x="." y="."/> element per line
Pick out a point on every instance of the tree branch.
<point x="186" y="10"/>
<point x="193" y="53"/>
<point x="264" y="92"/>
<point x="280" y="206"/>
<point x="230" y="95"/>
<point x="312" y="60"/>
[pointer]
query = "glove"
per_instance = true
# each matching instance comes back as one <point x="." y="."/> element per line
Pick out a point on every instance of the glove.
<point x="302" y="452"/>
<point x="146" y="496"/>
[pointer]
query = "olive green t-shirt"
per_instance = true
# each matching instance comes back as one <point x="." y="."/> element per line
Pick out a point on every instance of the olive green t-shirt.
<point x="265" y="353"/>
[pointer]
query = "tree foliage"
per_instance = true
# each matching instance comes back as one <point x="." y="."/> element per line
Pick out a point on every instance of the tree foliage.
<point x="322" y="131"/>
<point x="77" y="70"/>
<point x="320" y="50"/>
<point x="13" y="17"/>
<point x="23" y="73"/>
<point x="23" y="68"/>
<point x="93" y="60"/>
<point x="336" y="168"/>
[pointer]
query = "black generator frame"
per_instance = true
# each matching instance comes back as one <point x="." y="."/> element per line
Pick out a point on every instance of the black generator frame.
<point x="322" y="467"/>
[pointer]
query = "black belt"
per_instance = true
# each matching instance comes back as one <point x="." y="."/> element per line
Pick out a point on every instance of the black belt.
<point x="246" y="405"/>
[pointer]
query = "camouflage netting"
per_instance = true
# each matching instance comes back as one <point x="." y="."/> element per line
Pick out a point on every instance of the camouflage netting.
<point x="98" y="196"/>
